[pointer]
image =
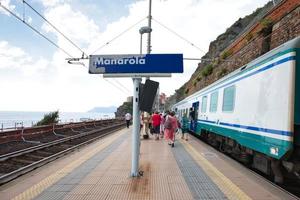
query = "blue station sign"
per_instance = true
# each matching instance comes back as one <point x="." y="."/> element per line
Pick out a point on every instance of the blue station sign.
<point x="136" y="64"/>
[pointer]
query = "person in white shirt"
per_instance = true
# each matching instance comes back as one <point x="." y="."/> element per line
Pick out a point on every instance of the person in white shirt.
<point x="127" y="118"/>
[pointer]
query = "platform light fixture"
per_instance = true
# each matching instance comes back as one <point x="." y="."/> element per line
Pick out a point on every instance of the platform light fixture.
<point x="144" y="29"/>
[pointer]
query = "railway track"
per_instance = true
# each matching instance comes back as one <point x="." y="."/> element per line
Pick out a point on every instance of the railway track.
<point x="15" y="164"/>
<point x="285" y="188"/>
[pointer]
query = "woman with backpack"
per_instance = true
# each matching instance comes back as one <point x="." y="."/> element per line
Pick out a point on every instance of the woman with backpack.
<point x="170" y="128"/>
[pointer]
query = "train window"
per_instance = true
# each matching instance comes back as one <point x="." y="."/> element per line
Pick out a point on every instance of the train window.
<point x="228" y="99"/>
<point x="204" y="104"/>
<point x="213" y="102"/>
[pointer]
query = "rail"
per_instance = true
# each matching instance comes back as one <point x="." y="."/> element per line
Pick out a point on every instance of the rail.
<point x="88" y="136"/>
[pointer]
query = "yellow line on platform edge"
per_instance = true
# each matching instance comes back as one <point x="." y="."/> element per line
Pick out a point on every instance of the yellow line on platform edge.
<point x="38" y="188"/>
<point x="226" y="186"/>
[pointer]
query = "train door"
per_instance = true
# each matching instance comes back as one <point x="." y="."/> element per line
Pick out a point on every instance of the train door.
<point x="194" y="116"/>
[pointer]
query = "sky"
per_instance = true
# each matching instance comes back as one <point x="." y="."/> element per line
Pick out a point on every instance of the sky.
<point x="35" y="76"/>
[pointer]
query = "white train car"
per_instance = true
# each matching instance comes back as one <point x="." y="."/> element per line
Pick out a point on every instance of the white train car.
<point x="254" y="112"/>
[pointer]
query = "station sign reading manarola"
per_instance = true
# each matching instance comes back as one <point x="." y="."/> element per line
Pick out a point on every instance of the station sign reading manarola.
<point x="136" y="63"/>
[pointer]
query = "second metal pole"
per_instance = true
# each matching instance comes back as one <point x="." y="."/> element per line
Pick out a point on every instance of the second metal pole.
<point x="149" y="25"/>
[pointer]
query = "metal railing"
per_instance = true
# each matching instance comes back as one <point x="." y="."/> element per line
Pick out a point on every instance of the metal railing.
<point x="17" y="125"/>
<point x="22" y="125"/>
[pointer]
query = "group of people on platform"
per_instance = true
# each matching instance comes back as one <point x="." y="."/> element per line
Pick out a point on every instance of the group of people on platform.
<point x="163" y="125"/>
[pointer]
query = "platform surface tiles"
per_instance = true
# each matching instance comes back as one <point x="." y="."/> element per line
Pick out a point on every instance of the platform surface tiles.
<point x="190" y="170"/>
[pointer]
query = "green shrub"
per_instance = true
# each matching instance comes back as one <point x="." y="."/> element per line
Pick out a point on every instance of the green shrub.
<point x="249" y="37"/>
<point x="187" y="91"/>
<point x="195" y="83"/>
<point x="216" y="62"/>
<point x="267" y="25"/>
<point x="50" y="118"/>
<point x="208" y="69"/>
<point x="199" y="78"/>
<point x="226" y="54"/>
<point x="267" y="22"/>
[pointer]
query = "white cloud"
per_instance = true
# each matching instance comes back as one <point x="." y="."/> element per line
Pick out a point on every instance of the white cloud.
<point x="43" y="85"/>
<point x="15" y="58"/>
<point x="7" y="4"/>
<point x="74" y="24"/>
<point x="51" y="3"/>
<point x="29" y="20"/>
<point x="70" y="87"/>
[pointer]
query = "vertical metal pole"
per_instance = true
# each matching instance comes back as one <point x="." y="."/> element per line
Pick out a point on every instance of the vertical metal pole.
<point x="141" y="44"/>
<point x="149" y="25"/>
<point x="136" y="129"/>
<point x="157" y="100"/>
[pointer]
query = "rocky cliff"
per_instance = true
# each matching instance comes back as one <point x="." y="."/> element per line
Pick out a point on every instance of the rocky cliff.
<point x="245" y="40"/>
<point x="126" y="107"/>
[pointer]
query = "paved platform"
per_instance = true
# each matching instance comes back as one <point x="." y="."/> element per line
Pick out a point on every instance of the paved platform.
<point x="190" y="170"/>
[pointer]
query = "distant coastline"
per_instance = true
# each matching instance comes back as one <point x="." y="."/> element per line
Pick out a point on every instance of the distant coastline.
<point x="110" y="109"/>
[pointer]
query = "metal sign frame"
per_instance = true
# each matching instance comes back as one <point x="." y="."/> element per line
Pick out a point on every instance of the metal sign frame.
<point x="128" y="75"/>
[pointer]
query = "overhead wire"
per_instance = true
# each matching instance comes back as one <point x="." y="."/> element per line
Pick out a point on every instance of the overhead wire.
<point x="109" y="42"/>
<point x="178" y="35"/>
<point x="113" y="84"/>
<point x="57" y="46"/>
<point x="117" y="36"/>
<point x="54" y="27"/>
<point x="35" y="30"/>
<point x="121" y="85"/>
<point x="116" y="86"/>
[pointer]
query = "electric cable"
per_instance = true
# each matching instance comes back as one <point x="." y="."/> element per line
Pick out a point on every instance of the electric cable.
<point x="35" y="30"/>
<point x="181" y="37"/>
<point x="116" y="86"/>
<point x="121" y="85"/>
<point x="48" y="22"/>
<point x="116" y="37"/>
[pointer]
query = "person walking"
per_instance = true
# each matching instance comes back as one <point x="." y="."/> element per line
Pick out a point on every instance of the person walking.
<point x="184" y="127"/>
<point x="156" y="125"/>
<point x="170" y="128"/>
<point x="162" y="121"/>
<point x="128" y="118"/>
<point x="146" y="119"/>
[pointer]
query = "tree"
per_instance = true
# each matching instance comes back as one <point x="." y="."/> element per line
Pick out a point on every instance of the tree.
<point x="50" y="118"/>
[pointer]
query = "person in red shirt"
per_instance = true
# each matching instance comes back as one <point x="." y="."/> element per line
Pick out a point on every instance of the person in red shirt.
<point x="156" y="124"/>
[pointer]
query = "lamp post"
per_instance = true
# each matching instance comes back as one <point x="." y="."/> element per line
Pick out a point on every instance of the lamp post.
<point x="136" y="115"/>
<point x="144" y="29"/>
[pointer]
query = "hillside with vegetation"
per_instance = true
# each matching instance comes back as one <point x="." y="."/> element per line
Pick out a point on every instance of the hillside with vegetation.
<point x="248" y="38"/>
<point x="207" y="70"/>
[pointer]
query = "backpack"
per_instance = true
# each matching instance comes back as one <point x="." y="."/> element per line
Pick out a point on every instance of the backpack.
<point x="168" y="123"/>
<point x="178" y="124"/>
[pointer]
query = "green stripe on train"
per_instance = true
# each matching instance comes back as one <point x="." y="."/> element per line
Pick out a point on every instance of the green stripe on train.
<point x="258" y="143"/>
<point x="297" y="96"/>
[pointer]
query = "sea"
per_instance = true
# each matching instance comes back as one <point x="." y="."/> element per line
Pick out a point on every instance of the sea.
<point x="17" y="119"/>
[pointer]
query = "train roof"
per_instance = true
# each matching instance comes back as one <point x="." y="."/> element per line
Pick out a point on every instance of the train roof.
<point x="292" y="44"/>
